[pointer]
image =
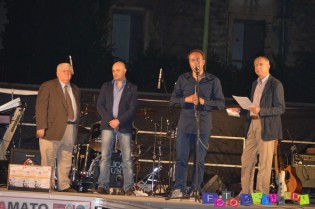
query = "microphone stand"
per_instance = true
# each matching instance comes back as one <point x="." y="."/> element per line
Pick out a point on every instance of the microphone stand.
<point x="197" y="117"/>
<point x="164" y="85"/>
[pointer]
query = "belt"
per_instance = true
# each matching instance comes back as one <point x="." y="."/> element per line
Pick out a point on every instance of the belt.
<point x="71" y="122"/>
<point x="254" y="117"/>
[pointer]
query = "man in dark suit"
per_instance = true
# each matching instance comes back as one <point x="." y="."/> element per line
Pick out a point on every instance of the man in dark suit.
<point x="116" y="105"/>
<point x="56" y="123"/>
<point x="263" y="128"/>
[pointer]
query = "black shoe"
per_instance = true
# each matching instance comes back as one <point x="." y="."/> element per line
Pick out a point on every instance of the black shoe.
<point x="129" y="192"/>
<point x="102" y="190"/>
<point x="69" y="190"/>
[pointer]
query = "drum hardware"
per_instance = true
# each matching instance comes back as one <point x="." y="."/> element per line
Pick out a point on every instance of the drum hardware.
<point x="95" y="137"/>
<point x="74" y="166"/>
<point x="146" y="183"/>
<point x="83" y="135"/>
<point x="55" y="177"/>
<point x="83" y="157"/>
<point x="145" y="112"/>
<point x="95" y="141"/>
<point x="96" y="144"/>
<point x="172" y="133"/>
<point x="86" y="159"/>
<point x="155" y="179"/>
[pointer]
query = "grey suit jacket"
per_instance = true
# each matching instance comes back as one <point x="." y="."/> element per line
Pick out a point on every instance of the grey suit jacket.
<point x="50" y="109"/>
<point x="272" y="106"/>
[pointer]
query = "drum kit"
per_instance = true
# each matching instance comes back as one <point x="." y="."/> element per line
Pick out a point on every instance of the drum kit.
<point x="87" y="156"/>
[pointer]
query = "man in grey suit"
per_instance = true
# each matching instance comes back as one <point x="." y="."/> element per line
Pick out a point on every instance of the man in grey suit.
<point x="56" y="123"/>
<point x="263" y="128"/>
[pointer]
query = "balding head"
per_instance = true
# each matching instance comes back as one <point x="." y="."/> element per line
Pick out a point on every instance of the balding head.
<point x="119" y="71"/>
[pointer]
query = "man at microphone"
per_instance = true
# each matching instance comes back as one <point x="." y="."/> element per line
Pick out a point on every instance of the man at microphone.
<point x="191" y="100"/>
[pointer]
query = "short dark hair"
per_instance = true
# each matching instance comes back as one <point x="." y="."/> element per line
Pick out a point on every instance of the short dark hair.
<point x="120" y="60"/>
<point x="198" y="51"/>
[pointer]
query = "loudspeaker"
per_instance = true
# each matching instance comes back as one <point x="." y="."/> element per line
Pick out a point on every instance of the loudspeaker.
<point x="25" y="156"/>
<point x="306" y="174"/>
<point x="214" y="185"/>
<point x="3" y="172"/>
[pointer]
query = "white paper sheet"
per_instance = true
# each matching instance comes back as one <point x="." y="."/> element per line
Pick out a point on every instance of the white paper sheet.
<point x="244" y="102"/>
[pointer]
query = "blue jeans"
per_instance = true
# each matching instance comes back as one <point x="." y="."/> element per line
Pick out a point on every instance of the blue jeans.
<point x="108" y="141"/>
<point x="184" y="143"/>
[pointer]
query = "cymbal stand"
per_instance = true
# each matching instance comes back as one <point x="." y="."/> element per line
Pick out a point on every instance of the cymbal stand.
<point x="155" y="170"/>
<point x="159" y="167"/>
<point x="171" y="132"/>
<point x="153" y="158"/>
<point x="136" y="154"/>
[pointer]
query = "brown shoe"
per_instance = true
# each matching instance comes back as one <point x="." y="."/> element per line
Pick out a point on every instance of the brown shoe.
<point x="102" y="190"/>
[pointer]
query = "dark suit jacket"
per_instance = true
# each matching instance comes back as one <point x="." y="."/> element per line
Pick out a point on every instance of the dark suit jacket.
<point x="51" y="113"/>
<point x="272" y="106"/>
<point x="126" y="110"/>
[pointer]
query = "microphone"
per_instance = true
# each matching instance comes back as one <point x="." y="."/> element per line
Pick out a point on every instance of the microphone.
<point x="196" y="69"/>
<point x="71" y="64"/>
<point x="160" y="78"/>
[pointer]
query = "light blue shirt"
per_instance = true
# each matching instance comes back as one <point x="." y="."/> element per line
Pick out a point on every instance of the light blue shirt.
<point x="117" y="96"/>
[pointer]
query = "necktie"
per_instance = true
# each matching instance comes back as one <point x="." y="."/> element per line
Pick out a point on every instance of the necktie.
<point x="69" y="104"/>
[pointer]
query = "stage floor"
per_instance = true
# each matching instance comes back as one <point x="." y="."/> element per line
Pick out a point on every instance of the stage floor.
<point x="59" y="200"/>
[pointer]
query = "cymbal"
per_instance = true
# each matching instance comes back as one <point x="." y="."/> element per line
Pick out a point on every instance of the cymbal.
<point x="96" y="145"/>
<point x="83" y="135"/>
<point x="145" y="111"/>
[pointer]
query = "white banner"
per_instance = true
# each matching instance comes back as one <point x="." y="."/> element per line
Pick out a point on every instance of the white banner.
<point x="10" y="202"/>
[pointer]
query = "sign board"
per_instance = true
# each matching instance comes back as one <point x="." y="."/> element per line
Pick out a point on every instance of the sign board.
<point x="29" y="178"/>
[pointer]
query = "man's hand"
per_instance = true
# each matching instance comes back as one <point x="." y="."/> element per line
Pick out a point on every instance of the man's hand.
<point x="40" y="133"/>
<point x="254" y="110"/>
<point x="234" y="109"/>
<point x="114" y="123"/>
<point x="194" y="99"/>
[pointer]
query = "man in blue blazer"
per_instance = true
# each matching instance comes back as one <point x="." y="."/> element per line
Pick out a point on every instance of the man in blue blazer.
<point x="116" y="105"/>
<point x="262" y="129"/>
